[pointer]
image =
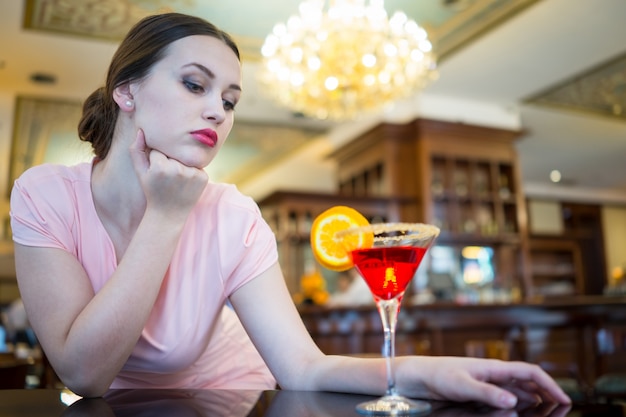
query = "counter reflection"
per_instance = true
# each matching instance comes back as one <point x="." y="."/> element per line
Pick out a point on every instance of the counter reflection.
<point x="222" y="403"/>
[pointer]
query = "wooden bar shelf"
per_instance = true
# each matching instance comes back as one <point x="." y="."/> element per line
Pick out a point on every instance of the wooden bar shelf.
<point x="464" y="179"/>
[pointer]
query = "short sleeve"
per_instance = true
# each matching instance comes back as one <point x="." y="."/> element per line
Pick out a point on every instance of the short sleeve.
<point x="259" y="254"/>
<point x="247" y="243"/>
<point x="39" y="209"/>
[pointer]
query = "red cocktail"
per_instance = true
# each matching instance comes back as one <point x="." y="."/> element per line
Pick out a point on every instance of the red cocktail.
<point x="388" y="267"/>
<point x="388" y="270"/>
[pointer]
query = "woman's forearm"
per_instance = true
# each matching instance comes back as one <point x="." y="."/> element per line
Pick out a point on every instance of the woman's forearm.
<point x="105" y="332"/>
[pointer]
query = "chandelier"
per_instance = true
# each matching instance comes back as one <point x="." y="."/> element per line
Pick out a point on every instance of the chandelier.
<point x="350" y="59"/>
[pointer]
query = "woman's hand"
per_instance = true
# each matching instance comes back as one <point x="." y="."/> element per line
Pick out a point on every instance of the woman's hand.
<point x="167" y="184"/>
<point x="497" y="383"/>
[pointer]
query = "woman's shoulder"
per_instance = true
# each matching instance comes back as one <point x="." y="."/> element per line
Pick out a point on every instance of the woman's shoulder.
<point x="52" y="185"/>
<point x="50" y="173"/>
<point x="228" y="196"/>
<point x="45" y="201"/>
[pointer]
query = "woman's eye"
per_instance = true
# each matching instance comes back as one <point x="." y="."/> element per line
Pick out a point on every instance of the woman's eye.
<point x="193" y="87"/>
<point x="228" y="105"/>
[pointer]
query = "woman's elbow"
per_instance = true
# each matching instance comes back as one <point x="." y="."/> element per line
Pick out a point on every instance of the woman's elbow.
<point x="87" y="390"/>
<point x="84" y="383"/>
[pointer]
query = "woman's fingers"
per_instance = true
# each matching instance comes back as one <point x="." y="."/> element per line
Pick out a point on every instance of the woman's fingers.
<point x="139" y="153"/>
<point x="528" y="378"/>
<point x="530" y="392"/>
<point x="500" y="384"/>
<point x="526" y="393"/>
<point x="168" y="184"/>
<point x="488" y="393"/>
<point x="524" y="382"/>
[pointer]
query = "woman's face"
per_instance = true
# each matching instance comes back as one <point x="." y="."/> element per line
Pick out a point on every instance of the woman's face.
<point x="186" y="104"/>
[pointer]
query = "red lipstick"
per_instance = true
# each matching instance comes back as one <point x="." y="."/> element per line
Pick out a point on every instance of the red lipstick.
<point x="207" y="137"/>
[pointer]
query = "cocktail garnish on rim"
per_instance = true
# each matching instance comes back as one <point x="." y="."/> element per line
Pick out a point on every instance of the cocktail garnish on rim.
<point x="327" y="249"/>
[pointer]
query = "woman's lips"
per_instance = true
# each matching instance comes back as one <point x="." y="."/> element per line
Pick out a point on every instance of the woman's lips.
<point x="206" y="136"/>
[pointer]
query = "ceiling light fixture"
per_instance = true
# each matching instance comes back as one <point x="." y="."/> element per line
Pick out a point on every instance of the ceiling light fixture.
<point x="555" y="175"/>
<point x="43" y="78"/>
<point x="347" y="60"/>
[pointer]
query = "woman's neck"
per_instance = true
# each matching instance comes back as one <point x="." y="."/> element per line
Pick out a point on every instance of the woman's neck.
<point x="117" y="194"/>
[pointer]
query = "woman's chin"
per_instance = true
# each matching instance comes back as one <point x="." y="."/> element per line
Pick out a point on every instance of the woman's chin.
<point x="194" y="161"/>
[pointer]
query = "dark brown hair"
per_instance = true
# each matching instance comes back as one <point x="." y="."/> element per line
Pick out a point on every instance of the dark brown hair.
<point x="144" y="45"/>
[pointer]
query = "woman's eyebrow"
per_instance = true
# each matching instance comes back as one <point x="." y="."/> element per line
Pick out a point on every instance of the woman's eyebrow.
<point x="210" y="74"/>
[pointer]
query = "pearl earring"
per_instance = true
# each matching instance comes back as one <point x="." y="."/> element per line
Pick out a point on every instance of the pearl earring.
<point x="129" y="103"/>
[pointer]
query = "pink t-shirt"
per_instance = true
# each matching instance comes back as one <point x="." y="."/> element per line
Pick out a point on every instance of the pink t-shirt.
<point x="190" y="339"/>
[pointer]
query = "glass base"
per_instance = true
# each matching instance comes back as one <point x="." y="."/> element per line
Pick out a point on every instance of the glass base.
<point x="393" y="405"/>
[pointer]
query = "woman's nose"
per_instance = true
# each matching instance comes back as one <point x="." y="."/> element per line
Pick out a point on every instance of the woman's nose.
<point x="214" y="110"/>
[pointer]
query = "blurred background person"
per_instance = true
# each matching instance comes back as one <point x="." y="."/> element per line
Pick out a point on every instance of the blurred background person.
<point x="352" y="290"/>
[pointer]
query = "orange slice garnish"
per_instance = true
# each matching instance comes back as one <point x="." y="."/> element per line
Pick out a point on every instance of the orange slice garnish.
<point x="328" y="250"/>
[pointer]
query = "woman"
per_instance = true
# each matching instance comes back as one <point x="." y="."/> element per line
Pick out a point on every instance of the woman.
<point x="125" y="263"/>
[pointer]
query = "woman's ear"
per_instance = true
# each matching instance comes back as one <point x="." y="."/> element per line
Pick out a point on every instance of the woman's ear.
<point x="124" y="98"/>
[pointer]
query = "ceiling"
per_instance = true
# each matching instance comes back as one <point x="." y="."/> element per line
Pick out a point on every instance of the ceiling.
<point x="556" y="66"/>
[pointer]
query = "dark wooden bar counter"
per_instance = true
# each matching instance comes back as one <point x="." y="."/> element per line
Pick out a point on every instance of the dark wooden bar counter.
<point x="579" y="336"/>
<point x="229" y="403"/>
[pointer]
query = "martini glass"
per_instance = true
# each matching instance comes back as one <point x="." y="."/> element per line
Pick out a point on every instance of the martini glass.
<point x="388" y="267"/>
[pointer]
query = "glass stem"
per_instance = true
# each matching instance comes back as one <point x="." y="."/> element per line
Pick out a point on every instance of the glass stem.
<point x="388" y="310"/>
